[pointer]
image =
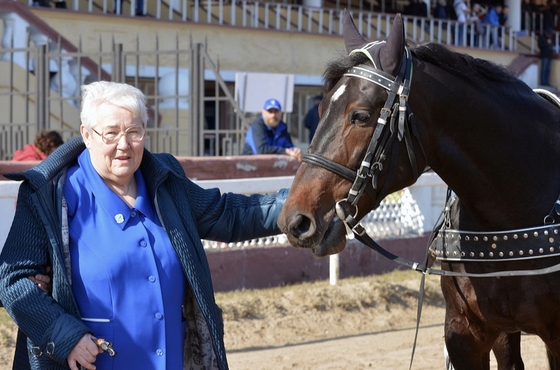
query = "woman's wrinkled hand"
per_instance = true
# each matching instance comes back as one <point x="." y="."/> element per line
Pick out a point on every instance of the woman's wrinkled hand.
<point x="84" y="354"/>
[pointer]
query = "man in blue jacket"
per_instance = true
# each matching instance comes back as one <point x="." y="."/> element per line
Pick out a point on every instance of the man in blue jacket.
<point x="269" y="135"/>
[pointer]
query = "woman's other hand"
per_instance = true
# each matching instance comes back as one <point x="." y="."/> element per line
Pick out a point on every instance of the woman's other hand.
<point x="43" y="281"/>
<point x="84" y="354"/>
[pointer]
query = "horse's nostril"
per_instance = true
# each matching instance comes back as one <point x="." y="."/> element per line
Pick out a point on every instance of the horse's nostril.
<point x="304" y="225"/>
<point x="300" y="225"/>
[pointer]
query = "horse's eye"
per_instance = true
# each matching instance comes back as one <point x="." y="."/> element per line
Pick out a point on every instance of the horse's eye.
<point x="360" y="117"/>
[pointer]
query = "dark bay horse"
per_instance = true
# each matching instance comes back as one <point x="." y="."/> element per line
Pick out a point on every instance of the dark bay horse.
<point x="390" y="112"/>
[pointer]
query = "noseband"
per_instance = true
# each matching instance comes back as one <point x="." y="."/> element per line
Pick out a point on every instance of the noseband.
<point x="386" y="131"/>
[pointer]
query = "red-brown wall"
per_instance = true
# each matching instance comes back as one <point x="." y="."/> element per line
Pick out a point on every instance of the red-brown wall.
<point x="259" y="268"/>
<point x="209" y="168"/>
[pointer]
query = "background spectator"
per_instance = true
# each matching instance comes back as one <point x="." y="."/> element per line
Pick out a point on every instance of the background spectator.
<point x="268" y="134"/>
<point x="440" y="10"/>
<point x="477" y="14"/>
<point x="504" y="15"/>
<point x="493" y="19"/>
<point x="312" y="117"/>
<point x="416" y="8"/>
<point x="462" y="11"/>
<point x="546" y="49"/>
<point x="45" y="143"/>
<point x="503" y="19"/>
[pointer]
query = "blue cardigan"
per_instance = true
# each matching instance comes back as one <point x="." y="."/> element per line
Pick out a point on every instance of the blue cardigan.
<point x="188" y="213"/>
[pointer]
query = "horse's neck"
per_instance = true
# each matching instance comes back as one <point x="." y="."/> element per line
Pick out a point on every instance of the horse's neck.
<point x="502" y="166"/>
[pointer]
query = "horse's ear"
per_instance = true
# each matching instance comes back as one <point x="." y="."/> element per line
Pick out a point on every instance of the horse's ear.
<point x="392" y="52"/>
<point x="352" y="37"/>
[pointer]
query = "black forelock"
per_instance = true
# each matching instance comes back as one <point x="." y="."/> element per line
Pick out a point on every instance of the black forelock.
<point x="337" y="68"/>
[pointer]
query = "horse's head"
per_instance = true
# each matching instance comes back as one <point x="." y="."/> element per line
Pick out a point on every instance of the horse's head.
<point x="361" y="143"/>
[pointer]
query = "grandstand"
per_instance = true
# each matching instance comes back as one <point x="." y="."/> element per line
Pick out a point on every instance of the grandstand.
<point x="188" y="56"/>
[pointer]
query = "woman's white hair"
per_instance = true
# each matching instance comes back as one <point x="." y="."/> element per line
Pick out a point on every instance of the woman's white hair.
<point x="120" y="95"/>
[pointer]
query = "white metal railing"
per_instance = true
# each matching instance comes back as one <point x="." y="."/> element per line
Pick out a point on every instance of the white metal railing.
<point x="402" y="214"/>
<point x="300" y="18"/>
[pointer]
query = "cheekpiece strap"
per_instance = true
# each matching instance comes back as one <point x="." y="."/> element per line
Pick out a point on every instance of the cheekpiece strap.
<point x="372" y="163"/>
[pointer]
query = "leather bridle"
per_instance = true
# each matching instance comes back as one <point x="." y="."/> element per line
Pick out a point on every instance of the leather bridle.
<point x="391" y="126"/>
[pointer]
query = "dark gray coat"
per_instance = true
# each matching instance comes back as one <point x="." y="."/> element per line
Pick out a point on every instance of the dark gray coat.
<point x="187" y="212"/>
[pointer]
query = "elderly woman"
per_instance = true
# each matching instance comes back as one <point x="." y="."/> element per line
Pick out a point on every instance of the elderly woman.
<point x="121" y="228"/>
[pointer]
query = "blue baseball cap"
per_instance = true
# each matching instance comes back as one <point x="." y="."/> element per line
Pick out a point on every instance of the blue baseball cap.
<point x="272" y="104"/>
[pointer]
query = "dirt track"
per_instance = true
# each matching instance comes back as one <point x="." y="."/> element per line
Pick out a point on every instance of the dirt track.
<point x="387" y="350"/>
<point x="365" y="323"/>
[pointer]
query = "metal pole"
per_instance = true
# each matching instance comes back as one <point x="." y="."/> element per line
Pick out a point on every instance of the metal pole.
<point x="118" y="65"/>
<point x="196" y="91"/>
<point x="42" y="76"/>
<point x="333" y="268"/>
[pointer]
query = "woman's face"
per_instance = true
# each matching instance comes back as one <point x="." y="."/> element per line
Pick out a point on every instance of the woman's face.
<point x="117" y="162"/>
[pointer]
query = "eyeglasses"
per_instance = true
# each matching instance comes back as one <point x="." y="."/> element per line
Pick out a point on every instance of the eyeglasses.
<point x="111" y="136"/>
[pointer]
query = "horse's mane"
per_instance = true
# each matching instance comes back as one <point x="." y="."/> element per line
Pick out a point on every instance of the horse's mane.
<point x="467" y="68"/>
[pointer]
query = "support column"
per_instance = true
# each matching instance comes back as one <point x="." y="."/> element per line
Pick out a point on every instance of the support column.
<point x="14" y="36"/>
<point x="514" y="17"/>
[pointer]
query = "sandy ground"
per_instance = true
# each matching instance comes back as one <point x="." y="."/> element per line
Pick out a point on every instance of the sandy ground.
<point x="362" y="323"/>
<point x="359" y="324"/>
<point x="386" y="350"/>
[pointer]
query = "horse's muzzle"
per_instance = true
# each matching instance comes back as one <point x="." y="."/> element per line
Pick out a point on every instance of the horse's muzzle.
<point x="323" y="238"/>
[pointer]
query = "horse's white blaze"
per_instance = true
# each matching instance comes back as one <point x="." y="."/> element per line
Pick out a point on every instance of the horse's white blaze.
<point x="335" y="96"/>
<point x="338" y="93"/>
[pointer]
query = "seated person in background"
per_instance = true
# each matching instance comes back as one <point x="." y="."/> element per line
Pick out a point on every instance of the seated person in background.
<point x="269" y="135"/>
<point x="45" y="143"/>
